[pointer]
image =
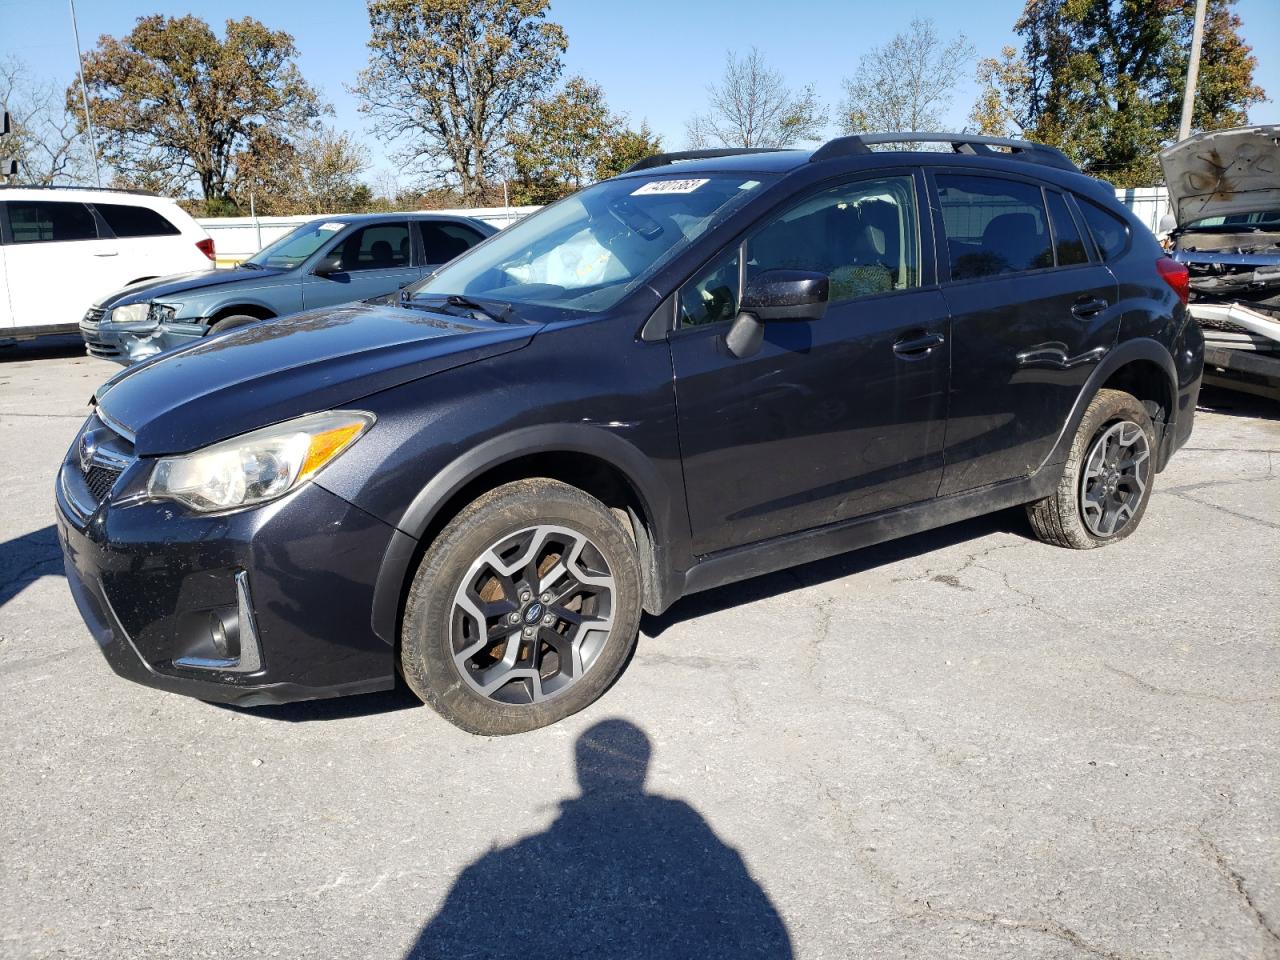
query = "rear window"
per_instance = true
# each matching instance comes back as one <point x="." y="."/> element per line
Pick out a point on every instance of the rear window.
<point x="993" y="226"/>
<point x="1109" y="232"/>
<point x="129" y="221"/>
<point x="48" y="221"/>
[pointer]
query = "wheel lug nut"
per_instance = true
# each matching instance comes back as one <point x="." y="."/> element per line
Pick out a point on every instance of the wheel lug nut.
<point x="524" y="596"/>
<point x="546" y="597"/>
<point x="528" y="631"/>
<point x="549" y="619"/>
<point x="513" y="617"/>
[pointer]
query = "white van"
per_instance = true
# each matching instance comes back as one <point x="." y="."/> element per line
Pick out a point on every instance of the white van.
<point x="64" y="248"/>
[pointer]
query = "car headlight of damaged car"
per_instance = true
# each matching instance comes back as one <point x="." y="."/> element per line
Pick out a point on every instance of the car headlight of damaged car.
<point x="258" y="466"/>
<point x="131" y="313"/>
<point x="163" y="312"/>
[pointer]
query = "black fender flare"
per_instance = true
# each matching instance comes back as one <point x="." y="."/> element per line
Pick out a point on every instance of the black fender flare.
<point x="1129" y="351"/>
<point x="661" y="512"/>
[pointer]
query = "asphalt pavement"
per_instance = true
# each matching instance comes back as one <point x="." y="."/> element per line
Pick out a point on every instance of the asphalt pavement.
<point x="961" y="744"/>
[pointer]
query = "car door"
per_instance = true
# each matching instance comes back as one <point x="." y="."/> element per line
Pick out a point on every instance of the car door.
<point x="831" y="419"/>
<point x="442" y="240"/>
<point x="1031" y="315"/>
<point x="374" y="259"/>
<point x="55" y="263"/>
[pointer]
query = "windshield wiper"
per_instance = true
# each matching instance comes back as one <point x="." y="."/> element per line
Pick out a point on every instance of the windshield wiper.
<point x="472" y="307"/>
<point x="250" y="265"/>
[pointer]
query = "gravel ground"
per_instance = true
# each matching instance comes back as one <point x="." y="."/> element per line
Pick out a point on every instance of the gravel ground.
<point x="962" y="744"/>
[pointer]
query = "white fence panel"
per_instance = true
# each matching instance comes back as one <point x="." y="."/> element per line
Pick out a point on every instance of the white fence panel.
<point x="236" y="238"/>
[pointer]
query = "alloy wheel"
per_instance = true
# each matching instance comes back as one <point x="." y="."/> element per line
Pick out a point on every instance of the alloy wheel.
<point x="532" y="614"/>
<point x="1114" y="479"/>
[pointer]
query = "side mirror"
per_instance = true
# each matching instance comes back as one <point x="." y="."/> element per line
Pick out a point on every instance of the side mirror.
<point x="773" y="296"/>
<point x="329" y="263"/>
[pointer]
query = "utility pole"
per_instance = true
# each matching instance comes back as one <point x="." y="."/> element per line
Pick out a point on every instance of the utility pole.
<point x="84" y="95"/>
<point x="1193" y="71"/>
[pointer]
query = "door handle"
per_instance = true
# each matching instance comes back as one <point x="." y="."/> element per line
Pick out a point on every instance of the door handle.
<point x="913" y="348"/>
<point x="1087" y="307"/>
<point x="108" y="253"/>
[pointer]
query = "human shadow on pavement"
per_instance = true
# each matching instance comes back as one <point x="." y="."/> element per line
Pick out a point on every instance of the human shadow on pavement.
<point x="621" y="874"/>
<point x="25" y="559"/>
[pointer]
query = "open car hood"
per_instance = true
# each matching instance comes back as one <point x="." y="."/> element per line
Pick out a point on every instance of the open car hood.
<point x="1223" y="172"/>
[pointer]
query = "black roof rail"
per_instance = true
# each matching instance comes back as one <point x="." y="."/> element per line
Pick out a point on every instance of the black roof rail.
<point x="972" y="144"/>
<point x="662" y="159"/>
<point x="56" y="186"/>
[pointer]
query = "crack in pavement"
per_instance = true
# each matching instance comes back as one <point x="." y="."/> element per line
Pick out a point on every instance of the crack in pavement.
<point x="1237" y="884"/>
<point x="1192" y="694"/>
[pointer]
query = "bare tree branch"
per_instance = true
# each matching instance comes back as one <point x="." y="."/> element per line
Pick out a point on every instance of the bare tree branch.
<point x="752" y="106"/>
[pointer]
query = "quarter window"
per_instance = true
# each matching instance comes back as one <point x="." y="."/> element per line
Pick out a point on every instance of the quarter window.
<point x="130" y="221"/>
<point x="1109" y="232"/>
<point x="45" y="221"/>
<point x="380" y="246"/>
<point x="862" y="235"/>
<point x="1068" y="243"/>
<point x="993" y="226"/>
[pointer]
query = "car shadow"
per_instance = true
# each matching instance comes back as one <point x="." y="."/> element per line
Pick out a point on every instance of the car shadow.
<point x="42" y="348"/>
<point x="834" y="568"/>
<point x="333" y="708"/>
<point x="25" y="559"/>
<point x="1235" y="403"/>
<point x="620" y="874"/>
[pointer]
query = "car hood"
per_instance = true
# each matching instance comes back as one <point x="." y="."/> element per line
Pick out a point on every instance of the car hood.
<point x="1223" y="172"/>
<point x="267" y="372"/>
<point x="173" y="287"/>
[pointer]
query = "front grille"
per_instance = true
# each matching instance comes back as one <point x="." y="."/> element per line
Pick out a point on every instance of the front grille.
<point x="94" y="315"/>
<point x="100" y="480"/>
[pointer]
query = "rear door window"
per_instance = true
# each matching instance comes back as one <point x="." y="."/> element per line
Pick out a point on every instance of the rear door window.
<point x="380" y="246"/>
<point x="49" y="221"/>
<point x="131" y="221"/>
<point x="441" y="242"/>
<point x="1068" y="244"/>
<point x="1109" y="232"/>
<point x="993" y="226"/>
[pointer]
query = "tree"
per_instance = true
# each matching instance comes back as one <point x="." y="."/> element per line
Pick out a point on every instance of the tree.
<point x="568" y="140"/>
<point x="752" y="106"/>
<point x="447" y="79"/>
<point x="174" y="105"/>
<point x="907" y="83"/>
<point x="1002" y="85"/>
<point x="45" y="140"/>
<point x="1103" y="79"/>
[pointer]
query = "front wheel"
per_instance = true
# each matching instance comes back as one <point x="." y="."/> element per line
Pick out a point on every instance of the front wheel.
<point x="1106" y="483"/>
<point x="523" y="610"/>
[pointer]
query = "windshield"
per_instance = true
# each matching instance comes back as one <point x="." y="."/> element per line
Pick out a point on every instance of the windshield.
<point x="587" y="251"/>
<point x="1258" y="220"/>
<point x="296" y="245"/>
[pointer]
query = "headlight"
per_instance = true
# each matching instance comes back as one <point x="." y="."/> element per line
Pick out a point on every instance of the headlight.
<point x="257" y="466"/>
<point x="130" y="313"/>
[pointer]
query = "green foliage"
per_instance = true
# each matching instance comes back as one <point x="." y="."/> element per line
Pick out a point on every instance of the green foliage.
<point x="1103" y="80"/>
<point x="447" y="79"/>
<point x="174" y="104"/>
<point x="570" y="139"/>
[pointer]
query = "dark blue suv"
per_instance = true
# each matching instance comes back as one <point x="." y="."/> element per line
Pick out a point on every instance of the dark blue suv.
<point x="715" y="365"/>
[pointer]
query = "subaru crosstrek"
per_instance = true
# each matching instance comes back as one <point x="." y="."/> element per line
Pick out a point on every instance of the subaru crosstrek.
<point x="716" y="365"/>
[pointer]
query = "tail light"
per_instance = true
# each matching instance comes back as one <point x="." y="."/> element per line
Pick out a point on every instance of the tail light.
<point x="1176" y="275"/>
<point x="205" y="246"/>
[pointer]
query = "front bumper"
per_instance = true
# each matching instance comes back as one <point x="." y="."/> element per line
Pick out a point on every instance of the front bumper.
<point x="154" y="582"/>
<point x="128" y="343"/>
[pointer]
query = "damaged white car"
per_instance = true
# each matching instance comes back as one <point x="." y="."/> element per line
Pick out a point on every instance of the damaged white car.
<point x="1225" y="190"/>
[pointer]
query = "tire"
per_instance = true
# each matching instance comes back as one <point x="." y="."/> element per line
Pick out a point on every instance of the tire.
<point x="1099" y="500"/>
<point x="231" y="322"/>
<point x="464" y="666"/>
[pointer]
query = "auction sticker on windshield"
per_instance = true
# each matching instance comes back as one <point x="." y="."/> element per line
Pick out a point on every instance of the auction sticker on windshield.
<point x="669" y="186"/>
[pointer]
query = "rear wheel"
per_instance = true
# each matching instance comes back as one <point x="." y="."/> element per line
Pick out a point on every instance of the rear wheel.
<point x="1106" y="483"/>
<point x="524" y="609"/>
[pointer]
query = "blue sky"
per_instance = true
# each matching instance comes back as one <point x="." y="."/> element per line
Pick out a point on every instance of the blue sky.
<point x="654" y="59"/>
